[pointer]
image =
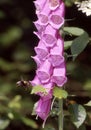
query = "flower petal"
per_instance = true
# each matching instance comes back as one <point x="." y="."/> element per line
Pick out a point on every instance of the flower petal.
<point x="39" y="4"/>
<point x="59" y="76"/>
<point x="41" y="50"/>
<point x="53" y="4"/>
<point x="44" y="72"/>
<point x="43" y="108"/>
<point x="56" y="54"/>
<point x="50" y="36"/>
<point x="57" y="17"/>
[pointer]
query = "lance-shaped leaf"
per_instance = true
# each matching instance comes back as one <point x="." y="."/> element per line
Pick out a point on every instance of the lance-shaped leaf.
<point x="78" y="114"/>
<point x="74" y="31"/>
<point x="29" y="122"/>
<point x="79" y="44"/>
<point x="59" y="93"/>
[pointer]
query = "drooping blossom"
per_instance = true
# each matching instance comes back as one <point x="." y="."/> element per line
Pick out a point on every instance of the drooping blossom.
<point x="49" y="57"/>
<point x="42" y="108"/>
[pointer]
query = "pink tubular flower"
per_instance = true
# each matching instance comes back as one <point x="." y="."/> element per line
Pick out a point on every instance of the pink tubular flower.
<point x="57" y="17"/>
<point x="37" y="60"/>
<point x="39" y="4"/>
<point x="35" y="81"/>
<point x="59" y="76"/>
<point x="39" y="27"/>
<point x="44" y="72"/>
<point x="48" y="88"/>
<point x="56" y="54"/>
<point x="43" y="15"/>
<point x="42" y="108"/>
<point x="41" y="50"/>
<point x="49" y="57"/>
<point x="53" y="4"/>
<point x="50" y="36"/>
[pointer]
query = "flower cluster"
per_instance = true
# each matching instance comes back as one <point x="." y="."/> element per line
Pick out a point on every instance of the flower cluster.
<point x="84" y="6"/>
<point x="49" y="52"/>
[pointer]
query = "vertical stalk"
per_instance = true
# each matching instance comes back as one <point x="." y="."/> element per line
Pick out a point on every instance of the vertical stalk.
<point x="60" y="117"/>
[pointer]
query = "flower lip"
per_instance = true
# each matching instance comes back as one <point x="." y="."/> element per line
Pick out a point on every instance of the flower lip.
<point x="39" y="27"/>
<point x="60" y="80"/>
<point x="56" y="53"/>
<point x="44" y="72"/>
<point x="44" y="14"/>
<point x="53" y="4"/>
<point x="59" y="75"/>
<point x="56" y="21"/>
<point x="42" y="54"/>
<point x="56" y="60"/>
<point x="37" y="60"/>
<point x="43" y="18"/>
<point x="43" y="76"/>
<point x="49" y="40"/>
<point x="41" y="50"/>
<point x="39" y="4"/>
<point x="50" y="36"/>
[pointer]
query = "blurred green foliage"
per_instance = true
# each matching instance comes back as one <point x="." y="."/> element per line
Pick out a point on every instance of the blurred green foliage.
<point x="16" y="48"/>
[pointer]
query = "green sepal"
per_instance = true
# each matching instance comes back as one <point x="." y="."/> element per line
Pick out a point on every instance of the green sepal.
<point x="37" y="89"/>
<point x="59" y="93"/>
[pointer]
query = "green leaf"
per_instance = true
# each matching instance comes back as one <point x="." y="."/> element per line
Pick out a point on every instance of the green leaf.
<point x="79" y="44"/>
<point x="15" y="102"/>
<point x="74" y="31"/>
<point x="25" y="120"/>
<point x="4" y="124"/>
<point x="12" y="35"/>
<point x="67" y="44"/>
<point x="37" y="89"/>
<point x="29" y="122"/>
<point x="78" y="114"/>
<point x="3" y="98"/>
<point x="59" y="93"/>
<point x="88" y="104"/>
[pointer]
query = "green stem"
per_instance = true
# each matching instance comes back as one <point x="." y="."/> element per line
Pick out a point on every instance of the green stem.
<point x="60" y="118"/>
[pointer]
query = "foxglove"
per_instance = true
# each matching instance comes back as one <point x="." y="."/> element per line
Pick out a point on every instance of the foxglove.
<point x="49" y="57"/>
